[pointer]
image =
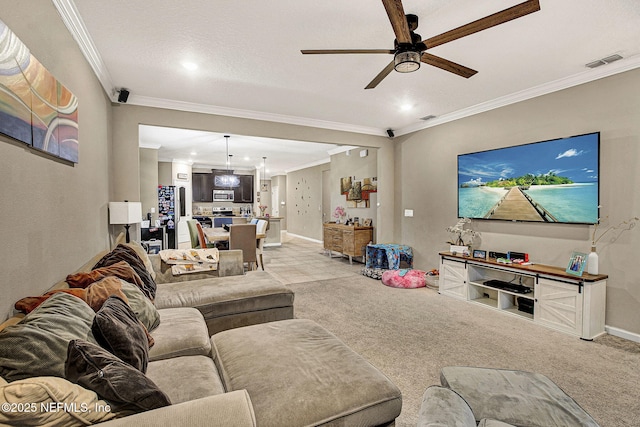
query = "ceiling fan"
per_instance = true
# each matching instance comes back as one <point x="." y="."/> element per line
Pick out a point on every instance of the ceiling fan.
<point x="409" y="49"/>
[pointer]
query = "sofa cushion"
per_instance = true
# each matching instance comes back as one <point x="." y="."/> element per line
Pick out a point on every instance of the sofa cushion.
<point x="39" y="397"/>
<point x="299" y="374"/>
<point x="186" y="378"/>
<point x="120" y="269"/>
<point x="144" y="309"/>
<point x="182" y="332"/>
<point x="127" y="254"/>
<point x="117" y="329"/>
<point x="250" y="299"/>
<point x="515" y="397"/>
<point x="444" y="407"/>
<point x="37" y="345"/>
<point x="126" y="388"/>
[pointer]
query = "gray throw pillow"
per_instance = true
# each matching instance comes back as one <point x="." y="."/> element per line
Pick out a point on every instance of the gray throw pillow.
<point x="127" y="389"/>
<point x="144" y="309"/>
<point x="117" y="329"/>
<point x="37" y="345"/>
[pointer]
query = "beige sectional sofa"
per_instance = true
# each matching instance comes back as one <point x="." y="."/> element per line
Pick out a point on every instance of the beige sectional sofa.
<point x="270" y="370"/>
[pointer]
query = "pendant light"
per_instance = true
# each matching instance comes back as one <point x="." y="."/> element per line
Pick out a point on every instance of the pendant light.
<point x="264" y="174"/>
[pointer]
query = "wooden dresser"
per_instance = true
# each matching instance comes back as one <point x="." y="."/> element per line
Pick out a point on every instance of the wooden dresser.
<point x="346" y="239"/>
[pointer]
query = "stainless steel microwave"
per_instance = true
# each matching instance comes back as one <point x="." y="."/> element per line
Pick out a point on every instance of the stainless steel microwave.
<point x="223" y="195"/>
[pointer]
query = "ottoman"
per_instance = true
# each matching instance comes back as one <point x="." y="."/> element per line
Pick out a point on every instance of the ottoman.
<point x="299" y="374"/>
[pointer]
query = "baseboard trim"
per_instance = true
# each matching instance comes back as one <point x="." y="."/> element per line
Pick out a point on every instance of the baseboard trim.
<point x="631" y="336"/>
<point x="304" y="238"/>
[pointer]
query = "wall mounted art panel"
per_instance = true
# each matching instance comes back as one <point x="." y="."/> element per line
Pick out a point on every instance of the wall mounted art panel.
<point x="35" y="108"/>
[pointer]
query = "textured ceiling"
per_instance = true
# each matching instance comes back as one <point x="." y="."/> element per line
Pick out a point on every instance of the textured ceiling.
<point x="250" y="65"/>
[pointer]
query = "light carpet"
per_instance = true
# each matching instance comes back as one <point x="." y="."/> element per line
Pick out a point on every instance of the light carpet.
<point x="410" y="334"/>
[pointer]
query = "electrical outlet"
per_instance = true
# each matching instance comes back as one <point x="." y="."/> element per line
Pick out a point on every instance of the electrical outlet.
<point x="408" y="212"/>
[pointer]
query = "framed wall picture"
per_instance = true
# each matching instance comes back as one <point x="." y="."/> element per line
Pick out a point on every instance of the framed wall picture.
<point x="367" y="222"/>
<point x="576" y="263"/>
<point x="477" y="253"/>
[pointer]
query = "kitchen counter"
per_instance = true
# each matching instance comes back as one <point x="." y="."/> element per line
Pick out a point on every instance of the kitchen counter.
<point x="274" y="231"/>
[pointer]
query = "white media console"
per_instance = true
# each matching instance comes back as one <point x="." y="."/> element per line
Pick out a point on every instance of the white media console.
<point x="558" y="300"/>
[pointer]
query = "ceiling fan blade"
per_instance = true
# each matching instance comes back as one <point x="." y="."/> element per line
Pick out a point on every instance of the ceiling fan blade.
<point x="447" y="65"/>
<point x="384" y="73"/>
<point x="497" y="18"/>
<point x="333" y="51"/>
<point x="398" y="20"/>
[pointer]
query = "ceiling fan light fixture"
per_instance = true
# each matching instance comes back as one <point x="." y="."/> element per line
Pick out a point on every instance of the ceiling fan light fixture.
<point x="406" y="61"/>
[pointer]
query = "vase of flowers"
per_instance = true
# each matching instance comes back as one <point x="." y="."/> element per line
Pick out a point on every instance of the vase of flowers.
<point x="339" y="213"/>
<point x="262" y="209"/>
<point x="462" y="237"/>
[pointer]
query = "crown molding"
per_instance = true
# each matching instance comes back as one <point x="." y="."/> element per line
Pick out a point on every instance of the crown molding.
<point x="534" y="92"/>
<point x="72" y="20"/>
<point x="146" y="101"/>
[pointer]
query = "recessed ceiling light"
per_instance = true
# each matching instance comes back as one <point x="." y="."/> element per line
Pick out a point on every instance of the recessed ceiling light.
<point x="246" y="158"/>
<point x="191" y="66"/>
<point x="406" y="107"/>
<point x="193" y="153"/>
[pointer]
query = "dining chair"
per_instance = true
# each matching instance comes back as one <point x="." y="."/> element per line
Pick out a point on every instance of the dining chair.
<point x="261" y="228"/>
<point x="202" y="239"/>
<point x="243" y="236"/>
<point x="221" y="221"/>
<point x="193" y="233"/>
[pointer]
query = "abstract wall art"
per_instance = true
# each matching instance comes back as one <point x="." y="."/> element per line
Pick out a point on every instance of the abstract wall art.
<point x="35" y="108"/>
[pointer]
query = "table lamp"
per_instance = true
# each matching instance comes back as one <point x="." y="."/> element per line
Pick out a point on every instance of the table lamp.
<point x="125" y="213"/>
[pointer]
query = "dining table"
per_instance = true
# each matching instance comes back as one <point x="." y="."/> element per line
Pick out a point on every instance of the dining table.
<point x="219" y="234"/>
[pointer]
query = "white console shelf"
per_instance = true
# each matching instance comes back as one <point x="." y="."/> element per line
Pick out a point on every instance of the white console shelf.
<point x="567" y="303"/>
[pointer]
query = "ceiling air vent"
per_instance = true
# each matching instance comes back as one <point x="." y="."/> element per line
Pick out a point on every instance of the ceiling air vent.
<point x="429" y="117"/>
<point x="603" y="61"/>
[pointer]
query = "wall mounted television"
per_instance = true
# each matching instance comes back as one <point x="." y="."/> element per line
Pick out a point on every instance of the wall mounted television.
<point x="553" y="181"/>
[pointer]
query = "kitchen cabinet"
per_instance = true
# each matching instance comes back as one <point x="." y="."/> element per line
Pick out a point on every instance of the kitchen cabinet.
<point x="243" y="193"/>
<point x="202" y="187"/>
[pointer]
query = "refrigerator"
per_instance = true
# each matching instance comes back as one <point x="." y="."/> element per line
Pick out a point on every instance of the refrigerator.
<point x="171" y="206"/>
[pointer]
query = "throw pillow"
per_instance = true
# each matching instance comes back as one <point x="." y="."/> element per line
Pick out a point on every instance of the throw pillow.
<point x="97" y="293"/>
<point x="117" y="329"/>
<point x="127" y="254"/>
<point x="142" y="253"/>
<point x="39" y="397"/>
<point x="37" y="345"/>
<point x="120" y="269"/>
<point x="127" y="389"/>
<point x="144" y="309"/>
<point x="28" y="304"/>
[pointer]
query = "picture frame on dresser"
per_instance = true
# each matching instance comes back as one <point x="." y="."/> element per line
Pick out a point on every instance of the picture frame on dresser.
<point x="577" y="262"/>
<point x="480" y="254"/>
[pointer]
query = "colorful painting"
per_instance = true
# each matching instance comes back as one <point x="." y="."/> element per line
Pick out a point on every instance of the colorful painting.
<point x="357" y="191"/>
<point x="35" y="108"/>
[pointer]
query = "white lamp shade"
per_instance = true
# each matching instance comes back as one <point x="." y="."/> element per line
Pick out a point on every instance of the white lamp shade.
<point x="125" y="212"/>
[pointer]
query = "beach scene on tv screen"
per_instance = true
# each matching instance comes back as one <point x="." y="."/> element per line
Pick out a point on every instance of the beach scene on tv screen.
<point x="551" y="181"/>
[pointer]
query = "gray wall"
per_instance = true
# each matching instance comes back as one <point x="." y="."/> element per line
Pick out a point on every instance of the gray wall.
<point x="343" y="165"/>
<point x="149" y="181"/>
<point x="426" y="166"/>
<point x="304" y="202"/>
<point x="54" y="215"/>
